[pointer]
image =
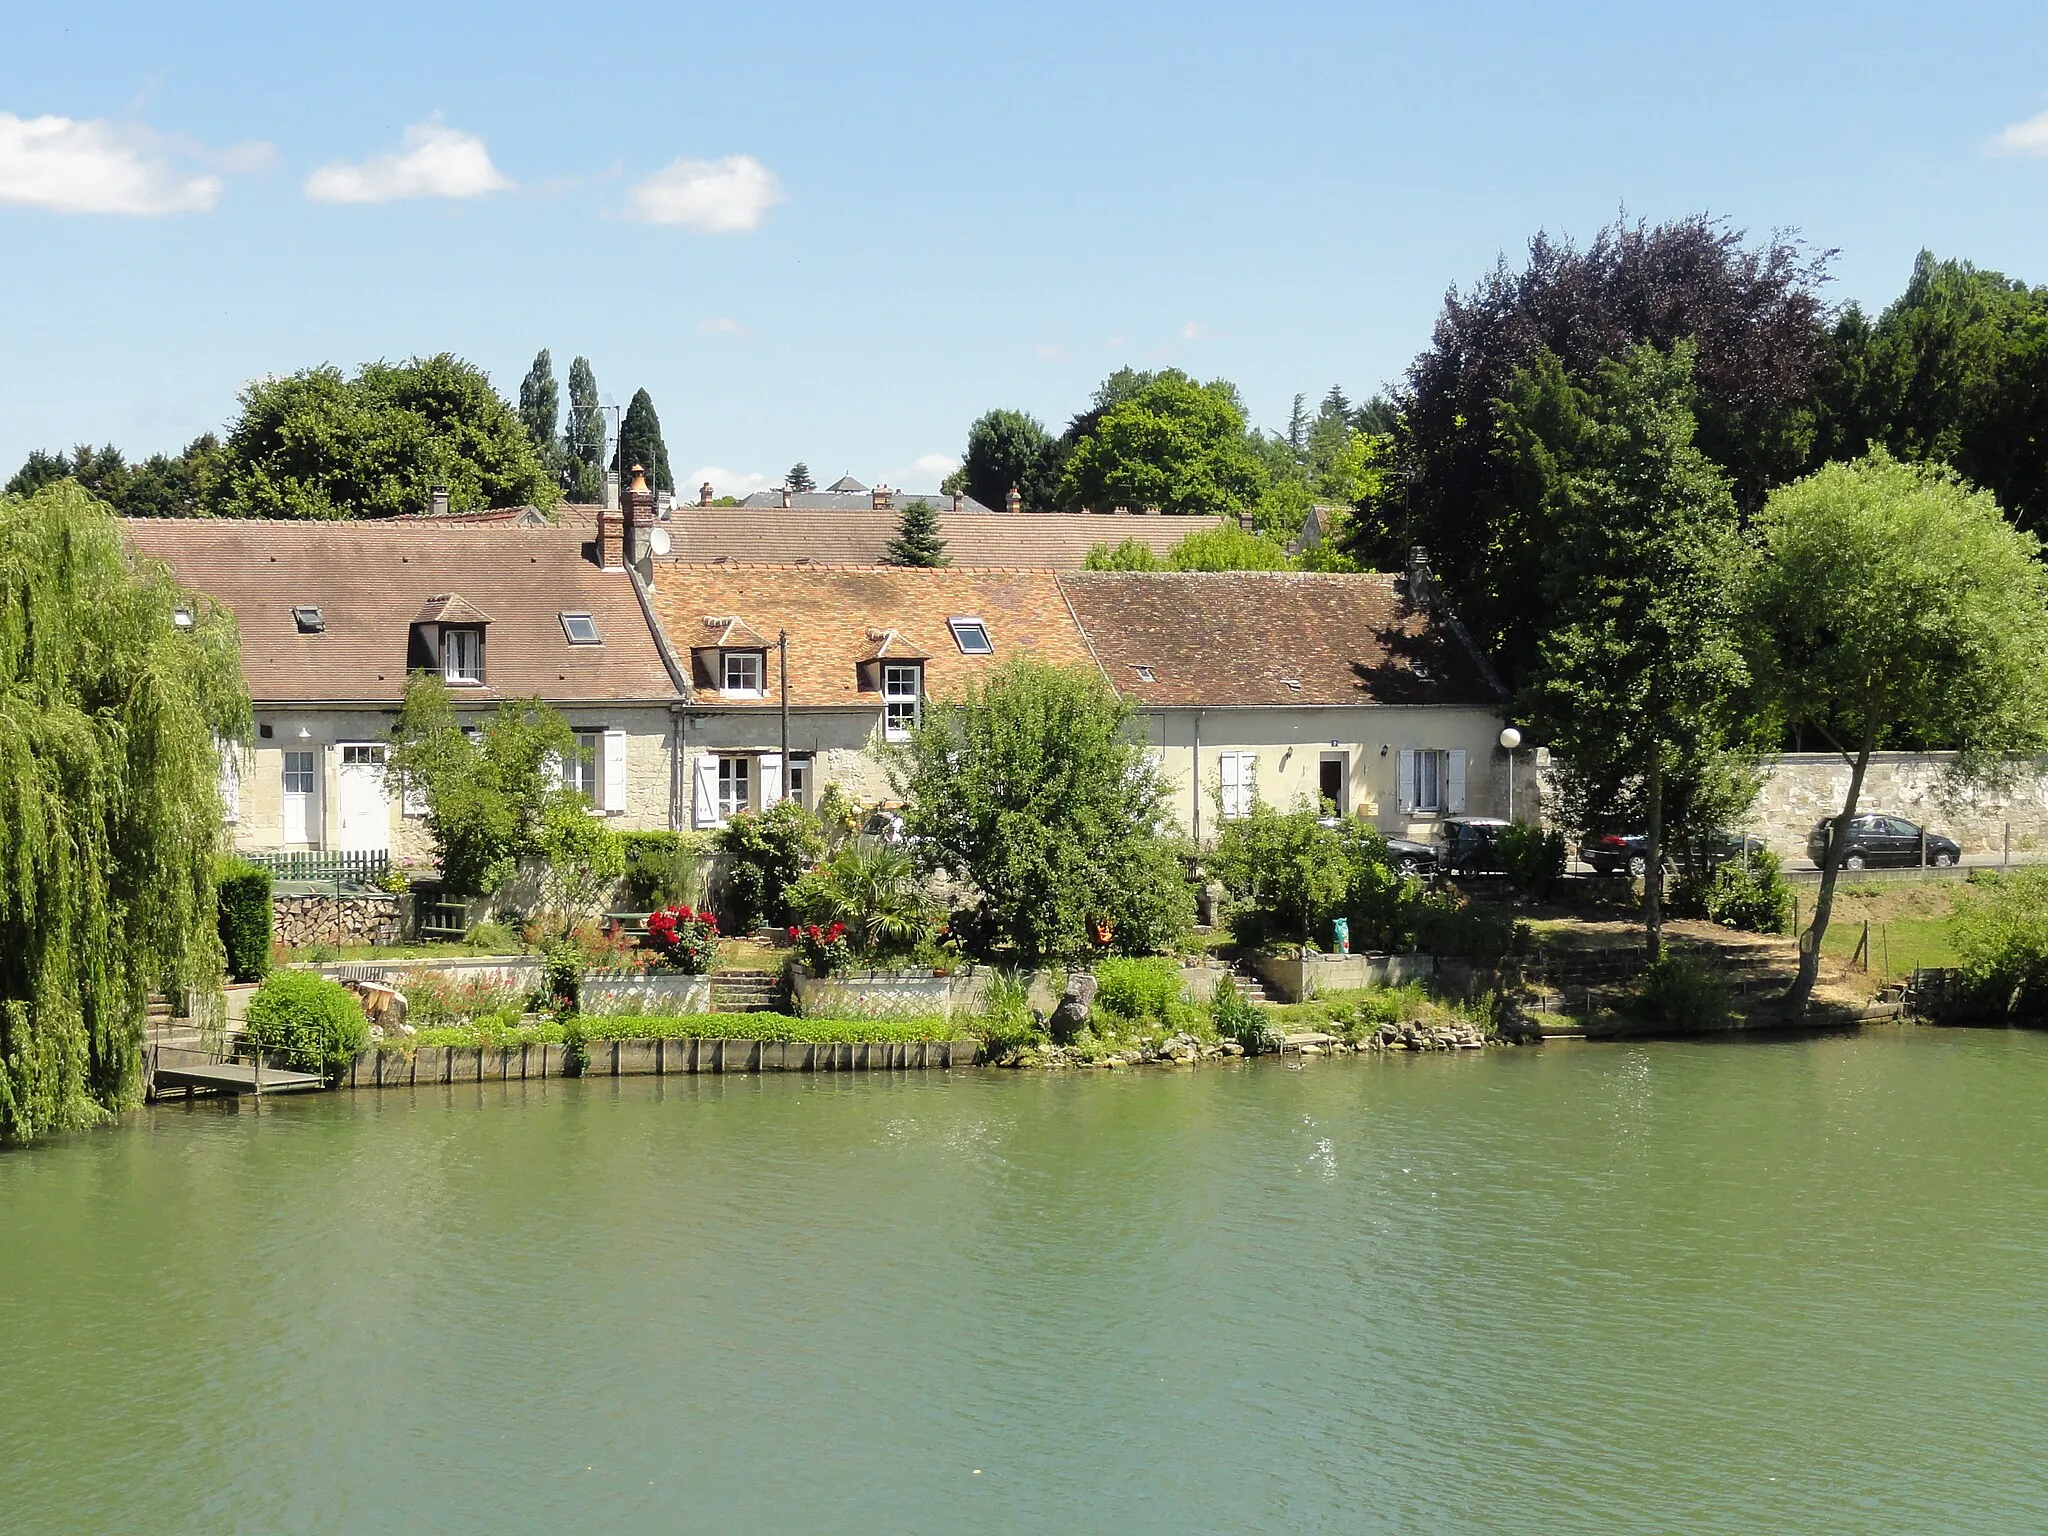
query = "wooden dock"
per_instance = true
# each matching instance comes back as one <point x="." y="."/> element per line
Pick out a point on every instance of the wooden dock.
<point x="197" y="1071"/>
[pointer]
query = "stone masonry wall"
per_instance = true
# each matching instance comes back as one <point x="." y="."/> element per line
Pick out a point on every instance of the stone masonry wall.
<point x="1804" y="787"/>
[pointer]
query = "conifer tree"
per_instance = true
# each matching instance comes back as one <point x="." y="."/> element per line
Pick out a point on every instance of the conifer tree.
<point x="540" y="402"/>
<point x="583" y="474"/>
<point x="799" y="477"/>
<point x="640" y="443"/>
<point x="917" y="540"/>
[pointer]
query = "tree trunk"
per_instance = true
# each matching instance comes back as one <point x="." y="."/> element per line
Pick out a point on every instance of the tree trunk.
<point x="1653" y="848"/>
<point x="1801" y="990"/>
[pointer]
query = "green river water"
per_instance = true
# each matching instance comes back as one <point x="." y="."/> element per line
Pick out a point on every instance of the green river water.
<point x="1769" y="1287"/>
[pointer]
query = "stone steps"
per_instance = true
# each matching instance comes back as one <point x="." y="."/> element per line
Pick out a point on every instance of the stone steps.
<point x="745" y="992"/>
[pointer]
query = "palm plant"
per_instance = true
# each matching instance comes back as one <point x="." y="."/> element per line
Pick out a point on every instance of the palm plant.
<point x="874" y="889"/>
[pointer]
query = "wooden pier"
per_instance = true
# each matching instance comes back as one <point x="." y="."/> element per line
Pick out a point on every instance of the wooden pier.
<point x="196" y="1070"/>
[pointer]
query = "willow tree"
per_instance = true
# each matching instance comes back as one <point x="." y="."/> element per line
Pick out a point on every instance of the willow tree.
<point x="118" y="691"/>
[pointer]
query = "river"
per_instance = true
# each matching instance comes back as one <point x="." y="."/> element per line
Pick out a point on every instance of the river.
<point x="1701" y="1288"/>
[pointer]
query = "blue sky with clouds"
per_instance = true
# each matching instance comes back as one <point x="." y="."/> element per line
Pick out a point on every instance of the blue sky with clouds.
<point x="838" y="233"/>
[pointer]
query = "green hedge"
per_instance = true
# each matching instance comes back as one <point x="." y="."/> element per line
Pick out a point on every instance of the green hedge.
<point x="318" y="1024"/>
<point x="242" y="892"/>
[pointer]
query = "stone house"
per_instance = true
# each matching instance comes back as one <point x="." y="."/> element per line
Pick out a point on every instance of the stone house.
<point x="335" y="615"/>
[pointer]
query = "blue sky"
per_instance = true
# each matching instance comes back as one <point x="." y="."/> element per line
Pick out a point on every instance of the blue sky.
<point x="840" y="233"/>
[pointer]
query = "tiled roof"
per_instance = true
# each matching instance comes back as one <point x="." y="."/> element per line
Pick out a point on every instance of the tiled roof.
<point x="858" y="500"/>
<point x="837" y="618"/>
<point x="1270" y="637"/>
<point x="1052" y="540"/>
<point x="451" y="608"/>
<point x="372" y="579"/>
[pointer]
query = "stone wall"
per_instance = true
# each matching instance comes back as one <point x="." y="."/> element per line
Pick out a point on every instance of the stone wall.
<point x="1299" y="978"/>
<point x="1804" y="787"/>
<point x="300" y="921"/>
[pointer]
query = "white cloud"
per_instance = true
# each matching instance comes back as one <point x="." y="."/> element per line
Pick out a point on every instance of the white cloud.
<point x="923" y="475"/>
<point x="437" y="161"/>
<point x="97" y="166"/>
<point x="722" y="326"/>
<point x="1051" y="354"/>
<point x="2029" y="138"/>
<point x="1194" y="330"/>
<point x="724" y="482"/>
<point x="716" y="197"/>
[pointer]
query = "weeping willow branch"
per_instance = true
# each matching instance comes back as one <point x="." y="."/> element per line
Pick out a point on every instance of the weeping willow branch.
<point x="112" y="719"/>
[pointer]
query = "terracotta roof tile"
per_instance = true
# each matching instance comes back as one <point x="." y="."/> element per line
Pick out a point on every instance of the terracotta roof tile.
<point x="370" y="580"/>
<point x="1269" y="637"/>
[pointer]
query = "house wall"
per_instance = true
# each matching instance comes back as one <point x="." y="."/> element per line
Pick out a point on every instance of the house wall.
<point x="1289" y="745"/>
<point x="837" y="740"/>
<point x="259" y="820"/>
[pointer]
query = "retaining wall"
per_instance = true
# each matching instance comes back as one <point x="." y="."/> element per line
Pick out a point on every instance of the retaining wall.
<point x="652" y="992"/>
<point x="1297" y="979"/>
<point x="431" y="1064"/>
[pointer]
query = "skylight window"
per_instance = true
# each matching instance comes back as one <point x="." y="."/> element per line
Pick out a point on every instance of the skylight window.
<point x="182" y="617"/>
<point x="1145" y="674"/>
<point x="971" y="635"/>
<point x="310" y="620"/>
<point x="581" y="629"/>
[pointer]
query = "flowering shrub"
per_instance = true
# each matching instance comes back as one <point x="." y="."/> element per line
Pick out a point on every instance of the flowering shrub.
<point x="684" y="938"/>
<point x="822" y="950"/>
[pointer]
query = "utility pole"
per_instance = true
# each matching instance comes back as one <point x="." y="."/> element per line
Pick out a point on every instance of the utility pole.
<point x="782" y="659"/>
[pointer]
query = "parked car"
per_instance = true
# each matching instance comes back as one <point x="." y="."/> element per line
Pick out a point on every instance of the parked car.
<point x="1875" y="838"/>
<point x="1626" y="853"/>
<point x="1469" y="844"/>
<point x="1412" y="858"/>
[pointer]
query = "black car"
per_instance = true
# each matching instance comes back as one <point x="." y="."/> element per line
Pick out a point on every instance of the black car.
<point x="1412" y="858"/>
<point x="1626" y="853"/>
<point x="1469" y="844"/>
<point x="1875" y="839"/>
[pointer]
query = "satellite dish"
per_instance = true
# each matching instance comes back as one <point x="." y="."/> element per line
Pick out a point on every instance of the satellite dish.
<point x="657" y="540"/>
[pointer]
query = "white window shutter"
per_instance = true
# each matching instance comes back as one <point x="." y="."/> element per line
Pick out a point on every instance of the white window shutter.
<point x="1454" y="782"/>
<point x="553" y="769"/>
<point x="612" y="781"/>
<point x="1228" y="767"/>
<point x="771" y="779"/>
<point x="706" y="797"/>
<point x="1248" y="782"/>
<point x="1405" y="769"/>
<point x="230" y="782"/>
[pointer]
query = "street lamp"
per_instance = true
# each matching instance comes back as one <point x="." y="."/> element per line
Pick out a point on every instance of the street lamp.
<point x="1510" y="738"/>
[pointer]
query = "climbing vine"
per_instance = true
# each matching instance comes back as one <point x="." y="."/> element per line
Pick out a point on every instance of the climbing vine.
<point x="111" y="709"/>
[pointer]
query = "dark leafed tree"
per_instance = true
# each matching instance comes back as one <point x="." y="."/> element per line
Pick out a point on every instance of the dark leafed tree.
<point x="162" y="486"/>
<point x="540" y="404"/>
<point x="1006" y="450"/>
<point x="641" y="443"/>
<point x="37" y="471"/>
<point x="799" y="477"/>
<point x="1297" y="428"/>
<point x="1753" y="311"/>
<point x="917" y="540"/>
<point x="583" y="437"/>
<point x="112" y="716"/>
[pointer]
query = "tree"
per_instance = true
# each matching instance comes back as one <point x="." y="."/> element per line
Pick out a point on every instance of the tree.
<point x="540" y="404"/>
<point x="1131" y="555"/>
<point x="1174" y="444"/>
<point x="1227" y="548"/>
<point x="316" y="444"/>
<point x="1297" y="428"/>
<point x="38" y="470"/>
<point x="640" y="443"/>
<point x="1893" y="601"/>
<point x="917" y="540"/>
<point x="799" y="478"/>
<point x="488" y="795"/>
<point x="1636" y="668"/>
<point x="113" y="718"/>
<point x="1037" y="789"/>
<point x="160" y="486"/>
<point x="1753" y="312"/>
<point x="583" y="437"/>
<point x="1009" y="450"/>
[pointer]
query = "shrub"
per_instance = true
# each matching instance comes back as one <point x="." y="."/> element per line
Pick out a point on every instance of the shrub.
<point x="435" y="998"/>
<point x="662" y="869"/>
<point x="317" y="1024"/>
<point x="243" y="892"/>
<point x="1240" y="1019"/>
<point x="685" y="939"/>
<point x="1532" y="858"/>
<point x="493" y="938"/>
<point x="822" y="950"/>
<point x="582" y="859"/>
<point x="1288" y="875"/>
<point x="1681" y="992"/>
<point x="561" y="977"/>
<point x="1448" y="924"/>
<point x="869" y="890"/>
<point x="1137" y="990"/>
<point x="1752" y="896"/>
<point x="2000" y="933"/>
<point x="768" y="852"/>
<point x="1007" y="1023"/>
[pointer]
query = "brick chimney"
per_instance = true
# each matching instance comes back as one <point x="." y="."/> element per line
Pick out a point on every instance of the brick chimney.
<point x="782" y="497"/>
<point x="1421" y="580"/>
<point x="1014" y="502"/>
<point x="882" y="498"/>
<point x="636" y="518"/>
<point x="705" y="495"/>
<point x="437" y="501"/>
<point x="958" y="498"/>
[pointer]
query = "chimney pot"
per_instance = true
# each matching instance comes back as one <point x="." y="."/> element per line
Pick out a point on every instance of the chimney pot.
<point x="958" y="498"/>
<point x="1152" y="510"/>
<point x="636" y="520"/>
<point x="1123" y="511"/>
<point x="784" y="495"/>
<point x="705" y="494"/>
<point x="1014" y="502"/>
<point x="437" y="501"/>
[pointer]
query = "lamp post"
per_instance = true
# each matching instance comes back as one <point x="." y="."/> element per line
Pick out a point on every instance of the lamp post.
<point x="1510" y="738"/>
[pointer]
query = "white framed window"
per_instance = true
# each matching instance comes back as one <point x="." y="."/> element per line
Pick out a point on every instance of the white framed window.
<point x="902" y="690"/>
<point x="971" y="635"/>
<point x="735" y="786"/>
<point x="740" y="674"/>
<point x="1238" y="775"/>
<point x="462" y="656"/>
<point x="580" y="768"/>
<point x="580" y="629"/>
<point x="1432" y="781"/>
<point x="800" y="768"/>
<point x="362" y="755"/>
<point x="301" y="773"/>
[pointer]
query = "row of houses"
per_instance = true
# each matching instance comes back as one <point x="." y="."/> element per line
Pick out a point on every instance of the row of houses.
<point x="703" y="687"/>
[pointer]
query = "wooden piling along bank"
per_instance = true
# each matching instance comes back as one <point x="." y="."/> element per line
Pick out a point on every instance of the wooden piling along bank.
<point x="387" y="1068"/>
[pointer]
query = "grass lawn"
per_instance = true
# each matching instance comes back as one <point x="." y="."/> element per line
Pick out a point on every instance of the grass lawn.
<point x="1909" y="923"/>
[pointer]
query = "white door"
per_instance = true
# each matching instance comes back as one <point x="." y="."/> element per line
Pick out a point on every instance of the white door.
<point x="301" y="798"/>
<point x="360" y="798"/>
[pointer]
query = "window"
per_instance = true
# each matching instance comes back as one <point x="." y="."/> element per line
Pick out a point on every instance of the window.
<point x="800" y="780"/>
<point x="902" y="685"/>
<point x="580" y="628"/>
<point x="462" y="656"/>
<point x="1426" y="793"/>
<point x="579" y="768"/>
<point x="741" y="675"/>
<point x="310" y="620"/>
<point x="299" y="773"/>
<point x="971" y="635"/>
<point x="735" y="786"/>
<point x="182" y="617"/>
<point x="1431" y="782"/>
<point x="1238" y="773"/>
<point x="1145" y="674"/>
<point x="362" y="757"/>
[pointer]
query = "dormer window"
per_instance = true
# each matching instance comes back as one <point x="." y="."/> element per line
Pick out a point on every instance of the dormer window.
<point x="580" y="629"/>
<point x="902" y="693"/>
<point x="971" y="635"/>
<point x="741" y="673"/>
<point x="310" y="620"/>
<point x="462" y="656"/>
